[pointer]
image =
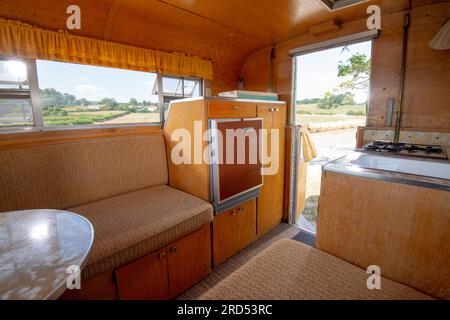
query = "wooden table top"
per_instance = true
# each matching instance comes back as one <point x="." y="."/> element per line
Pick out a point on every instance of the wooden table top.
<point x="36" y="249"/>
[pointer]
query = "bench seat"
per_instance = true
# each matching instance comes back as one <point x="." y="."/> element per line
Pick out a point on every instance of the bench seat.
<point x="133" y="225"/>
<point x="290" y="270"/>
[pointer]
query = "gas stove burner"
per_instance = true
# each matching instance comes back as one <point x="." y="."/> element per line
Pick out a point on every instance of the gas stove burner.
<point x="407" y="149"/>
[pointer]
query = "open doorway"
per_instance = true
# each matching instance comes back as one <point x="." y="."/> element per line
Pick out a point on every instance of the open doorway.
<point x="332" y="88"/>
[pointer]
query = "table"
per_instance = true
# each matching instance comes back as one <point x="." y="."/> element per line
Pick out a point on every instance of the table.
<point x="36" y="249"/>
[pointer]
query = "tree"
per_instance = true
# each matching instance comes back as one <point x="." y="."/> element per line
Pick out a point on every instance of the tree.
<point x="53" y="98"/>
<point x="308" y="101"/>
<point x="349" y="99"/>
<point x="82" y="102"/>
<point x="331" y="101"/>
<point x="358" y="68"/>
<point x="109" y="103"/>
<point x="133" y="102"/>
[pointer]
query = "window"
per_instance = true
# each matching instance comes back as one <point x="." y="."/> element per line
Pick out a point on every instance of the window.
<point x="75" y="94"/>
<point x="50" y="94"/>
<point x="15" y="95"/>
<point x="174" y="88"/>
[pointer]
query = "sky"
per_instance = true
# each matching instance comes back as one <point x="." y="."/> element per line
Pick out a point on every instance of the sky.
<point x="96" y="83"/>
<point x="317" y="71"/>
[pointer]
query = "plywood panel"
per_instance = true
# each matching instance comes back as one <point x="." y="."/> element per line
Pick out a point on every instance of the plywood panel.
<point x="403" y="229"/>
<point x="188" y="177"/>
<point x="271" y="200"/>
<point x="233" y="230"/>
<point x="189" y="260"/>
<point x="145" y="278"/>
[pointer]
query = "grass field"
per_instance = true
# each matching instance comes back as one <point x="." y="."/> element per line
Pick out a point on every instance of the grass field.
<point x="307" y="114"/>
<point x="342" y="110"/>
<point x="82" y="118"/>
<point x="136" y="118"/>
<point x="74" y="117"/>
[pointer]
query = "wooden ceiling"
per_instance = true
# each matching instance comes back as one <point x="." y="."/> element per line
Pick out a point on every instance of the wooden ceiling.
<point x="225" y="31"/>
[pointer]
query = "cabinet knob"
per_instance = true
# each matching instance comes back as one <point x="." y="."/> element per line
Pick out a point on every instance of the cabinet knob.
<point x="274" y="109"/>
<point x="236" y="108"/>
<point x="241" y="210"/>
<point x="173" y="249"/>
<point x="162" y="255"/>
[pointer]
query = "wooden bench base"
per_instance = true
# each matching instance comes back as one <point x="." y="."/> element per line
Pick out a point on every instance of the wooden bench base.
<point x="163" y="274"/>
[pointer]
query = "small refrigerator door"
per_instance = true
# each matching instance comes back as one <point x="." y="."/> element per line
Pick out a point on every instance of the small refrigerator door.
<point x="236" y="168"/>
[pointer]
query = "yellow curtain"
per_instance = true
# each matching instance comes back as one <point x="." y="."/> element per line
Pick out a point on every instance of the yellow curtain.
<point x="308" y="148"/>
<point x="26" y="41"/>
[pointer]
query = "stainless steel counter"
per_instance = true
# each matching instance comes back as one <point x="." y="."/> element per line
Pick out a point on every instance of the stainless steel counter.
<point x="422" y="172"/>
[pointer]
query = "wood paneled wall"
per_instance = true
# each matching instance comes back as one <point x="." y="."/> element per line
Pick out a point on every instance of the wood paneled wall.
<point x="426" y="101"/>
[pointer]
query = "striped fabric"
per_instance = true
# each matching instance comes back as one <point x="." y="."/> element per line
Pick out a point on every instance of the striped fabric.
<point x="132" y="225"/>
<point x="290" y="270"/>
<point x="64" y="175"/>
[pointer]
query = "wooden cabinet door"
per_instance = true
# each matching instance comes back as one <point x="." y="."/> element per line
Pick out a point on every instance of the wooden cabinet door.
<point x="189" y="260"/>
<point x="233" y="231"/>
<point x="145" y="278"/>
<point x="270" y="201"/>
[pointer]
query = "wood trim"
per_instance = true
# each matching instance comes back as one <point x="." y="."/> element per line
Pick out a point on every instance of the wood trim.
<point x="47" y="137"/>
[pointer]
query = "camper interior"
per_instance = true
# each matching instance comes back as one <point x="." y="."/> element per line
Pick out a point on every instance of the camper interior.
<point x="225" y="150"/>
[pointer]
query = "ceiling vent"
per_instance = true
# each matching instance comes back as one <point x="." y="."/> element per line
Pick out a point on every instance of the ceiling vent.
<point x="340" y="4"/>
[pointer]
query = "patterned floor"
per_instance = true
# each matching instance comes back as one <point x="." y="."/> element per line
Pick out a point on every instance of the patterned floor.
<point x="283" y="231"/>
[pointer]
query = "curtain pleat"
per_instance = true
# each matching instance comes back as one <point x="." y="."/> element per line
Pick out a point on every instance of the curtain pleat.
<point x="25" y="41"/>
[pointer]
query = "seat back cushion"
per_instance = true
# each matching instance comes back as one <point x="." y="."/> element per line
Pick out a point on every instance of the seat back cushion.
<point x="68" y="174"/>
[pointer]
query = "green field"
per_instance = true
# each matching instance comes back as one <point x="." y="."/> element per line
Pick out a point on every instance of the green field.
<point x="342" y="110"/>
<point x="311" y="113"/>
<point x="82" y="118"/>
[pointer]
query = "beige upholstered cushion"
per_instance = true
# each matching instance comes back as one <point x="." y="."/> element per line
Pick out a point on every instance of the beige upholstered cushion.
<point x="134" y="224"/>
<point x="291" y="270"/>
<point x="64" y="175"/>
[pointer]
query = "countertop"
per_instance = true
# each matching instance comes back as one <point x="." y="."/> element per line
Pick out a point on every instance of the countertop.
<point x="341" y="166"/>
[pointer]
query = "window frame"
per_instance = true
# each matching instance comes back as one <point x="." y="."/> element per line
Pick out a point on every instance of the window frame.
<point x="38" y="120"/>
<point x="320" y="46"/>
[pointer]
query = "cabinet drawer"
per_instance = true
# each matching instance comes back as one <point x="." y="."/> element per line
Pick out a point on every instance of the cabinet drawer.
<point x="234" y="230"/>
<point x="229" y="109"/>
